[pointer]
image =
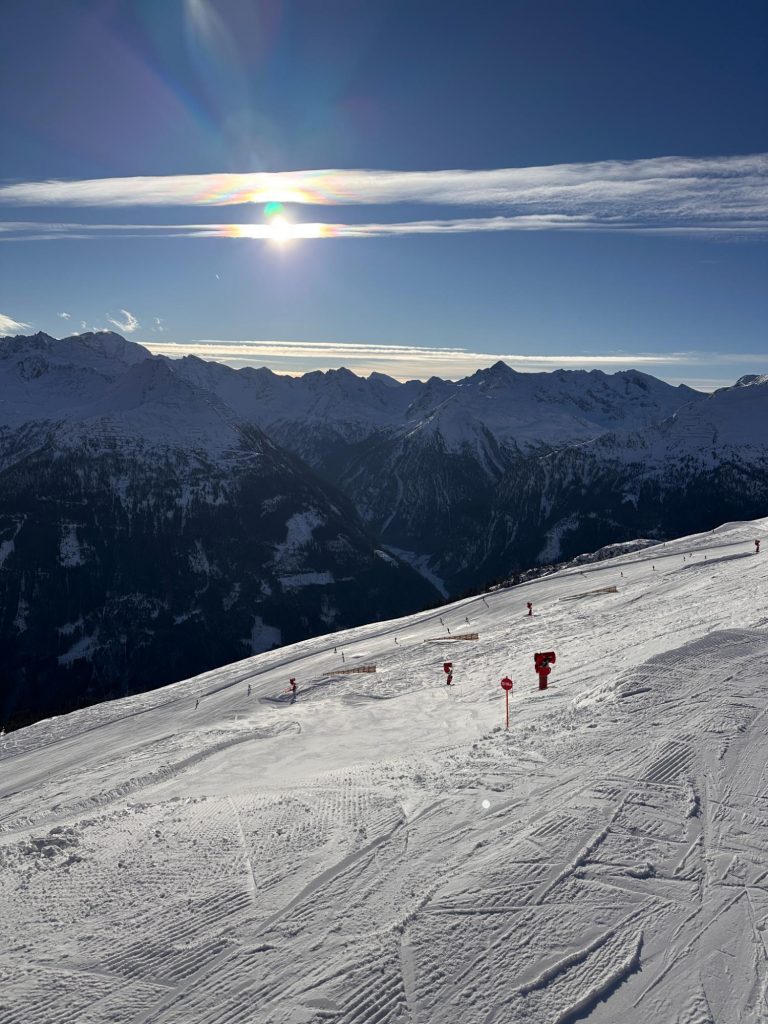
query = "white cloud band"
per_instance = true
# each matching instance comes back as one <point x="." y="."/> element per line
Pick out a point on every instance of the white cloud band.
<point x="10" y="326"/>
<point x="420" y="361"/>
<point x="256" y="349"/>
<point x="16" y="231"/>
<point x="662" y="192"/>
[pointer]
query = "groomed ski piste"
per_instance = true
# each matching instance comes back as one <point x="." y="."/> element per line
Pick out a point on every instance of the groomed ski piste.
<point x="384" y="851"/>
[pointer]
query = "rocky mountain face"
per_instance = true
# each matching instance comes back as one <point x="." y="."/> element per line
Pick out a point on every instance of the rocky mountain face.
<point x="426" y="462"/>
<point x="147" y="533"/>
<point x="160" y="517"/>
<point x="706" y="465"/>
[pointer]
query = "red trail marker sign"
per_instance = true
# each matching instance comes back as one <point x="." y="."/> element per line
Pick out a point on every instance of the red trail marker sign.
<point x="506" y="685"/>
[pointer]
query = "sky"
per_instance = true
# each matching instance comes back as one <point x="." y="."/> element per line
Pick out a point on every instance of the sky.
<point x="412" y="187"/>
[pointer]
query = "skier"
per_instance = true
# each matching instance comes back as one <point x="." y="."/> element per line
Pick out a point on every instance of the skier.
<point x="757" y="546"/>
<point x="197" y="704"/>
<point x="448" y="669"/>
<point x="292" y="688"/>
<point x="529" y="605"/>
<point x="249" y="689"/>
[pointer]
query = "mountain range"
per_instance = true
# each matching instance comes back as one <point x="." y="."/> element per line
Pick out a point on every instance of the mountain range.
<point x="159" y="517"/>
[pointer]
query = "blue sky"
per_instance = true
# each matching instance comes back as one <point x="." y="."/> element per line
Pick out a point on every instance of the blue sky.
<point x="624" y="221"/>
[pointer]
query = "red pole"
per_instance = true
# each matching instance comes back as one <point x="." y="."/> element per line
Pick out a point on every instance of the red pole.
<point x="506" y="694"/>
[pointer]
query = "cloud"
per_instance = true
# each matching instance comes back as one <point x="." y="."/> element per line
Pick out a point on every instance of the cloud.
<point x="401" y="361"/>
<point x="158" y="324"/>
<point x="307" y="230"/>
<point x="64" y="316"/>
<point x="663" y="192"/>
<point x="705" y="370"/>
<point x="9" y="325"/>
<point x="215" y="349"/>
<point x="128" y="324"/>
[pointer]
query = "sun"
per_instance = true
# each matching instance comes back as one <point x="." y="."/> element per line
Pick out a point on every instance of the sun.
<point x="279" y="230"/>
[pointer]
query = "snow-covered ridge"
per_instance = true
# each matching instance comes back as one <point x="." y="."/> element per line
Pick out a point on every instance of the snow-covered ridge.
<point x="41" y="377"/>
<point x="382" y="850"/>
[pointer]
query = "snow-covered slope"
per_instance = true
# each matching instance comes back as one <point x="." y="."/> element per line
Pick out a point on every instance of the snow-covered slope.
<point x="382" y="851"/>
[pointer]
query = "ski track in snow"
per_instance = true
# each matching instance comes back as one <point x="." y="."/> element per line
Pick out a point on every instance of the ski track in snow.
<point x="382" y="852"/>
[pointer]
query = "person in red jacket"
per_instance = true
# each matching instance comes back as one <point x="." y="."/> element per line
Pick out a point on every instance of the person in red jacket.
<point x="530" y="607"/>
<point x="292" y="689"/>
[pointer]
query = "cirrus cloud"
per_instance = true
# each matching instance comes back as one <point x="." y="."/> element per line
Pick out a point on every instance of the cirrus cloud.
<point x="404" y="362"/>
<point x="8" y="324"/>
<point x="19" y="231"/>
<point x="661" y="193"/>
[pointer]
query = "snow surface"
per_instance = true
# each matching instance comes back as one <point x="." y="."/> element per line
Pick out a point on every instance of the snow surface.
<point x="382" y="852"/>
<point x="299" y="533"/>
<point x="298" y="580"/>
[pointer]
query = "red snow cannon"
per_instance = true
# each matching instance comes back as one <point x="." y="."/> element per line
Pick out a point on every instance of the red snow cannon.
<point x="543" y="662"/>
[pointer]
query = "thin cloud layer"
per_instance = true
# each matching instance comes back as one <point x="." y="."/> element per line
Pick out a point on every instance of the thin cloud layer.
<point x="401" y="361"/>
<point x="10" y="326"/>
<point x="405" y="362"/>
<point x="17" y="231"/>
<point x="660" y="193"/>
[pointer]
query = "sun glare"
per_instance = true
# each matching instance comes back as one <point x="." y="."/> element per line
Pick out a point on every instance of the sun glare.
<point x="280" y="230"/>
